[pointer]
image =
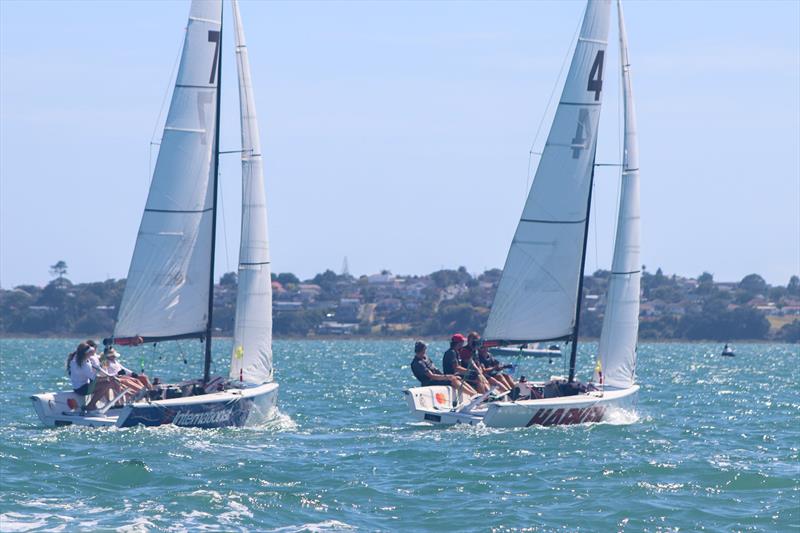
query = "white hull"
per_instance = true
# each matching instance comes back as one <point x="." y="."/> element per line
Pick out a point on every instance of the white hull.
<point x="435" y="405"/>
<point x="564" y="410"/>
<point x="233" y="407"/>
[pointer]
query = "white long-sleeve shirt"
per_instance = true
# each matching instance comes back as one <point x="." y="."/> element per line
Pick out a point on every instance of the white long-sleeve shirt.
<point x="80" y="375"/>
<point x="114" y="368"/>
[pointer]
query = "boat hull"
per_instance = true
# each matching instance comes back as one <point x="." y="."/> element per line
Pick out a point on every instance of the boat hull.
<point x="434" y="405"/>
<point x="232" y="407"/>
<point x="595" y="406"/>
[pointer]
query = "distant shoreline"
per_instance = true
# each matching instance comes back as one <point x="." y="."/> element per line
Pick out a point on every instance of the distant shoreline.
<point x="432" y="338"/>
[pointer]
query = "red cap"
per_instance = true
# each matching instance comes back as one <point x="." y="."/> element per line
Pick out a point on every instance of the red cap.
<point x="458" y="337"/>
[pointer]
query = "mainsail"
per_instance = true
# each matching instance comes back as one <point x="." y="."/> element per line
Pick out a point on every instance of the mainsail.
<point x="252" y="341"/>
<point x="537" y="294"/>
<point x="167" y="290"/>
<point x="617" y="350"/>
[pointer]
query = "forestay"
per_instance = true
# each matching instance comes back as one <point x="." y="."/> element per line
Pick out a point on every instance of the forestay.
<point x="167" y="290"/>
<point x="617" y="350"/>
<point x="537" y="293"/>
<point x="252" y="342"/>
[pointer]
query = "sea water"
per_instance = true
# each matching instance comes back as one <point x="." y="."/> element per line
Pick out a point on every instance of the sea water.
<point x="713" y="446"/>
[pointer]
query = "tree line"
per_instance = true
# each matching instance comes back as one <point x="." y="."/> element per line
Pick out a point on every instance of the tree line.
<point x="443" y="302"/>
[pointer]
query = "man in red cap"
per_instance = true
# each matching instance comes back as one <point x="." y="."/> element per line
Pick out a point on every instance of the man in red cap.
<point x="450" y="359"/>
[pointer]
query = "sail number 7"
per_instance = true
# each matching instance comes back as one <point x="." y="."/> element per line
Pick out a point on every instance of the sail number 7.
<point x="596" y="76"/>
<point x="213" y="37"/>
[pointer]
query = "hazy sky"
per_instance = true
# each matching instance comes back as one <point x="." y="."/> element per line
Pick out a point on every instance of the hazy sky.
<point x="397" y="133"/>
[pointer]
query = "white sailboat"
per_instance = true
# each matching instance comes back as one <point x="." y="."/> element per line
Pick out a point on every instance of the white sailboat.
<point x="169" y="291"/>
<point x="527" y="350"/>
<point x="539" y="295"/>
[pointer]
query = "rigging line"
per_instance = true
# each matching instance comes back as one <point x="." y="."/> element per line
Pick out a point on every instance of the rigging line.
<point x="596" y="244"/>
<point x="161" y="110"/>
<point x="531" y="152"/>
<point x="224" y="228"/>
<point x="621" y="148"/>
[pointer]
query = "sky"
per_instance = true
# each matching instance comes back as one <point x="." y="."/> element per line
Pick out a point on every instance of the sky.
<point x="396" y="134"/>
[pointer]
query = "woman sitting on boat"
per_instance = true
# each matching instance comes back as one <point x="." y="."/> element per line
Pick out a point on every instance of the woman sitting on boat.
<point x="81" y="372"/>
<point x="428" y="375"/>
<point x="115" y="378"/>
<point x="114" y="367"/>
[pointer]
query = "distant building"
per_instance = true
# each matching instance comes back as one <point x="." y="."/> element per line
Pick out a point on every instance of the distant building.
<point x="348" y="310"/>
<point x="330" y="327"/>
<point x="287" y="307"/>
<point x="385" y="278"/>
<point x="277" y="287"/>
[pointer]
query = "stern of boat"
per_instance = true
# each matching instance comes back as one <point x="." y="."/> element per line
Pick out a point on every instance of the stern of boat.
<point x="435" y="405"/>
<point x="63" y="409"/>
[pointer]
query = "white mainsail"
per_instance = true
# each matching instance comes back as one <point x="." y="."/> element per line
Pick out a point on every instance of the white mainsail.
<point x="617" y="349"/>
<point x="167" y="290"/>
<point x="252" y="341"/>
<point x="537" y="294"/>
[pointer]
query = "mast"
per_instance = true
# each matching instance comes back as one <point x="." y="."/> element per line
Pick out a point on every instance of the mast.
<point x="573" y="355"/>
<point x="207" y="360"/>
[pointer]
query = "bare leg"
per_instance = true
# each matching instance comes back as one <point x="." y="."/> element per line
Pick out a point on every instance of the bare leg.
<point x="145" y="381"/>
<point x="505" y="378"/>
<point x="465" y="387"/>
<point x="480" y="386"/>
<point x="100" y="393"/>
<point x="501" y="387"/>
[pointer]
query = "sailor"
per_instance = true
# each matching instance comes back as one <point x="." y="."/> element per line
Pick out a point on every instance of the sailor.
<point x="114" y="367"/>
<point x="113" y="377"/>
<point x="493" y="368"/>
<point x="427" y="374"/>
<point x="470" y="359"/>
<point x="452" y="364"/>
<point x="450" y="360"/>
<point x="473" y="373"/>
<point x="94" y="359"/>
<point x="81" y="372"/>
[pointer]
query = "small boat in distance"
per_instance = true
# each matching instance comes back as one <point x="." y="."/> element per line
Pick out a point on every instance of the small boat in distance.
<point x="523" y="350"/>
<point x="540" y="291"/>
<point x="169" y="293"/>
<point x="727" y="351"/>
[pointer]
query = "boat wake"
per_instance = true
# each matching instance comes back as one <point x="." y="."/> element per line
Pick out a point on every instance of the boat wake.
<point x="274" y="421"/>
<point x="327" y="525"/>
<point x="618" y="416"/>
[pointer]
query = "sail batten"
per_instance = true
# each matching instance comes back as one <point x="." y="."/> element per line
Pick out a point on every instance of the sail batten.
<point x="251" y="360"/>
<point x="167" y="289"/>
<point x="617" y="349"/>
<point x="538" y="290"/>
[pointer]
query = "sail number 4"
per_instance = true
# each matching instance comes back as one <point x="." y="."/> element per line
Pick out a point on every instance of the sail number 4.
<point x="596" y="76"/>
<point x="583" y="131"/>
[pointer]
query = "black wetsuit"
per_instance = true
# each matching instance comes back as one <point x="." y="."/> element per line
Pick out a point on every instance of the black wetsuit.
<point x="421" y="367"/>
<point x="489" y="361"/>
<point x="449" y="361"/>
